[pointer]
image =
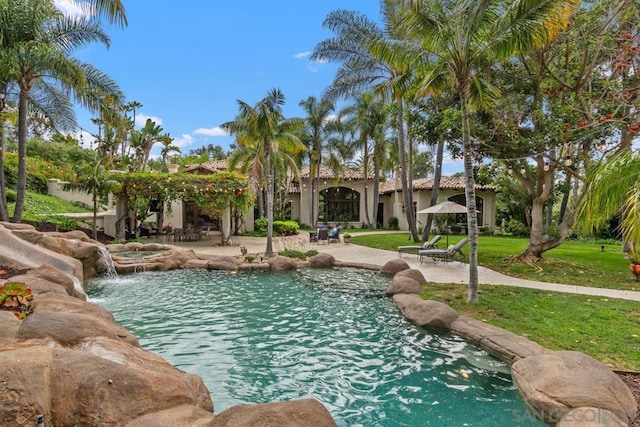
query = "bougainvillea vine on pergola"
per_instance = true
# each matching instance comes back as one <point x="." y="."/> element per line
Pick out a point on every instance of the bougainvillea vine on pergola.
<point x="213" y="192"/>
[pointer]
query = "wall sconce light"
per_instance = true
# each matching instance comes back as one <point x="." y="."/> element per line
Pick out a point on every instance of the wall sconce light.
<point x="568" y="160"/>
<point x="546" y="165"/>
<point x="603" y="146"/>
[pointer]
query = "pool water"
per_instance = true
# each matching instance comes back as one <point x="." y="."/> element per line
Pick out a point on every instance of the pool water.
<point x="332" y="335"/>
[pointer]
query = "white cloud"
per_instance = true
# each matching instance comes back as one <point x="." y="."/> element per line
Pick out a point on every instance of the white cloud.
<point x="214" y="131"/>
<point x="141" y="119"/>
<point x="71" y="8"/>
<point x="302" y="55"/>
<point x="313" y="68"/>
<point x="183" y="141"/>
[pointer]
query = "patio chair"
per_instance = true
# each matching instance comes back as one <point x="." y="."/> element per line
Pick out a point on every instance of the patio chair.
<point x="431" y="244"/>
<point x="444" y="255"/>
<point x="323" y="235"/>
<point x="334" y="235"/>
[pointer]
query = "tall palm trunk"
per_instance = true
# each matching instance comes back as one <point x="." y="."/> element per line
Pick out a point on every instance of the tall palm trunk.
<point x="4" y="215"/>
<point x="269" y="250"/>
<point x="470" y="193"/>
<point x="408" y="207"/>
<point x="22" y="153"/>
<point x="435" y="191"/>
<point x="376" y="188"/>
<point x="365" y="167"/>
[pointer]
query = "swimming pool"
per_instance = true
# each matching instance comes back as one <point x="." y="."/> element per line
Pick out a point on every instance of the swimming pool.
<point x="329" y="334"/>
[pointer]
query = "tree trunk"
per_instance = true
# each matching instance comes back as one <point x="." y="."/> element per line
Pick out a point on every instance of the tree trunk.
<point x="94" y="230"/>
<point x="376" y="188"/>
<point x="470" y="193"/>
<point x="408" y="207"/>
<point x="365" y="168"/>
<point x="22" y="155"/>
<point x="435" y="191"/>
<point x="565" y="198"/>
<point x="122" y="212"/>
<point x="269" y="250"/>
<point x="4" y="214"/>
<point x="312" y="202"/>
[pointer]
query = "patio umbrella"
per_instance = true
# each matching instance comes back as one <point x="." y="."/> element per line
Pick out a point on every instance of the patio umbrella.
<point x="445" y="208"/>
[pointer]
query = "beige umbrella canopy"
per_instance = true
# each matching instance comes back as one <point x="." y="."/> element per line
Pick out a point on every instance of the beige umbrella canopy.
<point x="447" y="207"/>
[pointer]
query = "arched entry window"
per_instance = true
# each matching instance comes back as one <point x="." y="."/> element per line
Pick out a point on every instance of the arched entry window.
<point x="339" y="204"/>
<point x="462" y="200"/>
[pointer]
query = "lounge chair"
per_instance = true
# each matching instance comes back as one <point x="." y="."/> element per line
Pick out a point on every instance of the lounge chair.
<point x="431" y="244"/>
<point x="444" y="255"/>
<point x="335" y="234"/>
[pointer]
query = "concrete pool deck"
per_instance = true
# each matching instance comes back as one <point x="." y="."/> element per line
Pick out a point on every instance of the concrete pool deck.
<point x="451" y="272"/>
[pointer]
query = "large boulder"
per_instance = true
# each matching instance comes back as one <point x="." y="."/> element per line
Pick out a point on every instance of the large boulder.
<point x="433" y="314"/>
<point x="183" y="415"/>
<point x="9" y="325"/>
<point x="282" y="263"/>
<point x="404" y="285"/>
<point x="322" y="260"/>
<point x="70" y="328"/>
<point x="40" y="286"/>
<point x="226" y="263"/>
<point x="391" y="268"/>
<point x="554" y="383"/>
<point x="295" y="413"/>
<point x="55" y="303"/>
<point x="414" y="274"/>
<point x="54" y="275"/>
<point x="503" y="344"/>
<point x="72" y="387"/>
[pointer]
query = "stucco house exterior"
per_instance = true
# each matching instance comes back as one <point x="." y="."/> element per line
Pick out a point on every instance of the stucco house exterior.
<point x="341" y="199"/>
<point x="337" y="199"/>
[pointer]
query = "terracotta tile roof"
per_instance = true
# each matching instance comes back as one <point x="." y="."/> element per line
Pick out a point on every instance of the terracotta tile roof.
<point x="446" y="183"/>
<point x="328" y="173"/>
<point x="213" y="166"/>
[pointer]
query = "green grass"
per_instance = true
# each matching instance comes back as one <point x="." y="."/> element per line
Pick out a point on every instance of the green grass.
<point x="572" y="263"/>
<point x="40" y="207"/>
<point x="606" y="329"/>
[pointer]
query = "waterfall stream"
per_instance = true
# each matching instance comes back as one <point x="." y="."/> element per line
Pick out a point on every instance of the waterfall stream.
<point x="106" y="267"/>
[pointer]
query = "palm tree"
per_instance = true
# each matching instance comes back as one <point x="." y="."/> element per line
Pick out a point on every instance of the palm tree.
<point x="315" y="136"/>
<point x="36" y="56"/>
<point x="367" y="120"/>
<point x="465" y="37"/>
<point x="613" y="187"/>
<point x="93" y="180"/>
<point x="264" y="128"/>
<point x="373" y="58"/>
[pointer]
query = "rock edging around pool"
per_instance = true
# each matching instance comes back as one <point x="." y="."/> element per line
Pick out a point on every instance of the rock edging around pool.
<point x="70" y="361"/>
<point x="565" y="387"/>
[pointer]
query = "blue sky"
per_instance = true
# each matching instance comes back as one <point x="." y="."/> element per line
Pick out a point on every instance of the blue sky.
<point x="187" y="63"/>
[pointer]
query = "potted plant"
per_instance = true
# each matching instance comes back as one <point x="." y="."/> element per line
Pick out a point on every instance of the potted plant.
<point x="346" y="238"/>
<point x="634" y="267"/>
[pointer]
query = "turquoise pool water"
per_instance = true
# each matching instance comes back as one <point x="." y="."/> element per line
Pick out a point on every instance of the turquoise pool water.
<point x="327" y="334"/>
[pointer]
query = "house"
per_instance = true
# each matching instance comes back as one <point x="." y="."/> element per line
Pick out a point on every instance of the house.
<point x="451" y="188"/>
<point x="338" y="199"/>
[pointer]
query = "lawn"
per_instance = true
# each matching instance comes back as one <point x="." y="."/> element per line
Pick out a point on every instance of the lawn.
<point x="40" y="207"/>
<point x="605" y="328"/>
<point x="572" y="263"/>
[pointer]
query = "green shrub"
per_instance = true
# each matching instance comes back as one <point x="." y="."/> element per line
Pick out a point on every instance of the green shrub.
<point x="285" y="228"/>
<point x="517" y="228"/>
<point x="261" y="224"/>
<point x="292" y="253"/>
<point x="485" y="230"/>
<point x="394" y="224"/>
<point x="311" y="253"/>
<point x="456" y="229"/>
